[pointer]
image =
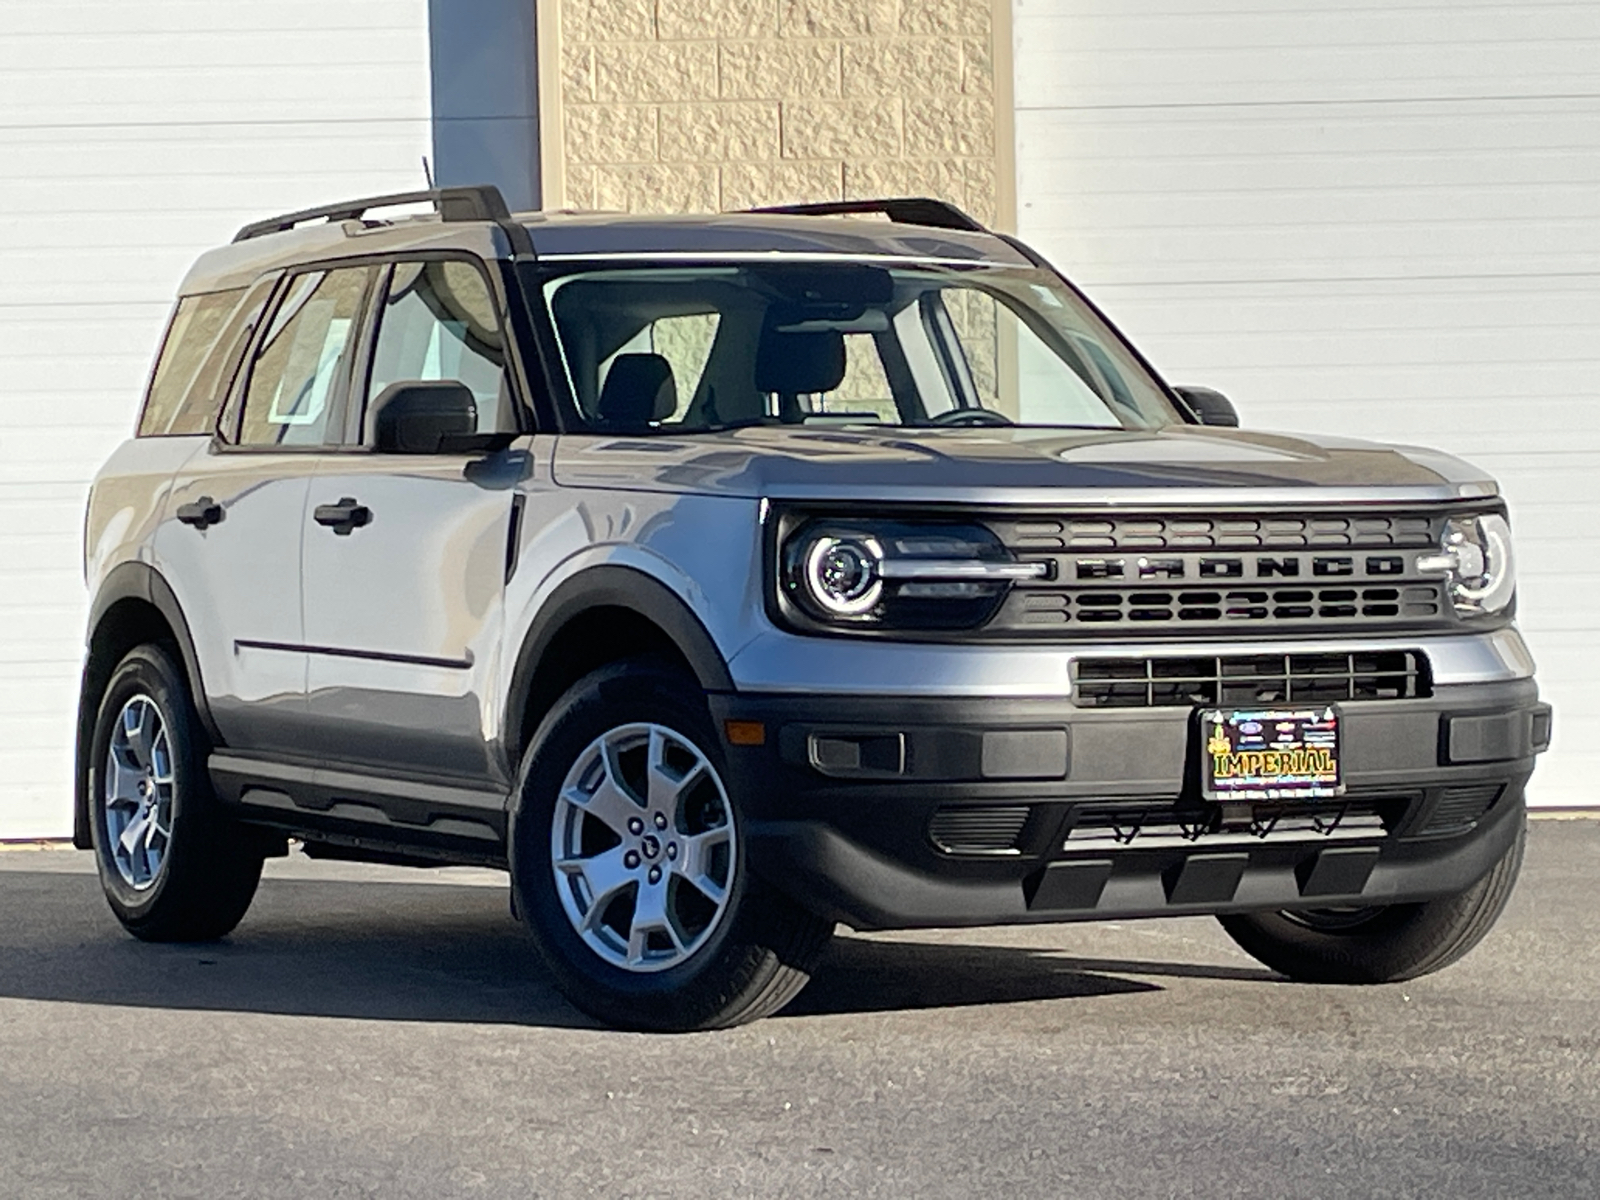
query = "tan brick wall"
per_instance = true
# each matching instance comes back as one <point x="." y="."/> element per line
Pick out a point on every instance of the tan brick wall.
<point x="696" y="105"/>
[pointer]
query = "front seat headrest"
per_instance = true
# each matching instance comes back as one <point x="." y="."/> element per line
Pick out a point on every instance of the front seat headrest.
<point x="794" y="363"/>
<point x="639" y="389"/>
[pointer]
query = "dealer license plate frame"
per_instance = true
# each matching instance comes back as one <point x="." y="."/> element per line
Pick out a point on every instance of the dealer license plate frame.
<point x="1234" y="757"/>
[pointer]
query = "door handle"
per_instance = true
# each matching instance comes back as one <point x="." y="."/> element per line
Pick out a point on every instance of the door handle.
<point x="201" y="513"/>
<point x="344" y="515"/>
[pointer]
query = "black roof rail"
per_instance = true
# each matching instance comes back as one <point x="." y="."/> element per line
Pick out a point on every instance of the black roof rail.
<point x="481" y="202"/>
<point x="903" y="210"/>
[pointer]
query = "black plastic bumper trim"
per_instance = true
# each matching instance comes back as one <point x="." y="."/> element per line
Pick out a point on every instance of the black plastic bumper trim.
<point x="1205" y="878"/>
<point x="1069" y="885"/>
<point x="1338" y="871"/>
<point x="840" y="878"/>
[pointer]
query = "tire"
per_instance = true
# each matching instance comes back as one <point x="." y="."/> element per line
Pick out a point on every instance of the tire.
<point x="173" y="867"/>
<point x="1382" y="944"/>
<point x="638" y="897"/>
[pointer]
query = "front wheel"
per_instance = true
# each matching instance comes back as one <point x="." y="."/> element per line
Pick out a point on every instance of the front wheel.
<point x="628" y="864"/>
<point x="173" y="867"/>
<point x="1381" y="944"/>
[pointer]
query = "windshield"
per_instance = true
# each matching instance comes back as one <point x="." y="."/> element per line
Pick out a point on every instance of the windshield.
<point x="693" y="349"/>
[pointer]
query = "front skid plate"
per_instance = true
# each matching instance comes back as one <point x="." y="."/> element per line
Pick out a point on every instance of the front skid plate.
<point x="837" y="877"/>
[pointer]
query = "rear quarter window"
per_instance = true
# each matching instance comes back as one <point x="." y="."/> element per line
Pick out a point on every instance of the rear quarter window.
<point x="198" y="360"/>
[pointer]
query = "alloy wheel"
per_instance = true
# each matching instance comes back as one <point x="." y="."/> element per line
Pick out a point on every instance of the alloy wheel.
<point x="643" y="847"/>
<point x="139" y="786"/>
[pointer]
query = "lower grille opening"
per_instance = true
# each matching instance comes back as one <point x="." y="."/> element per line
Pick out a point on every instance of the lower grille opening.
<point x="1461" y="808"/>
<point x="1162" y="824"/>
<point x="975" y="829"/>
<point x="1248" y="680"/>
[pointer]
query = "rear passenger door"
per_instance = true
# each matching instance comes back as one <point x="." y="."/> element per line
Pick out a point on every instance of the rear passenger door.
<point x="230" y="542"/>
<point x="403" y="605"/>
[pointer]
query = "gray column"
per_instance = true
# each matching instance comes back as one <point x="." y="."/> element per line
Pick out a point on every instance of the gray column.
<point x="486" y="96"/>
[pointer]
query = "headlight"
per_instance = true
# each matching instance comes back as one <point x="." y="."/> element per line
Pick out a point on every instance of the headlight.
<point x="844" y="575"/>
<point x="1476" y="557"/>
<point x="899" y="574"/>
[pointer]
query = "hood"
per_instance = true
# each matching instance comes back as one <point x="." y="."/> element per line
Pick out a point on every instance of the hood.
<point x="1019" y="465"/>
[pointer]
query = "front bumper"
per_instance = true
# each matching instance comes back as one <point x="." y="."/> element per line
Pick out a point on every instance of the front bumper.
<point x="901" y="812"/>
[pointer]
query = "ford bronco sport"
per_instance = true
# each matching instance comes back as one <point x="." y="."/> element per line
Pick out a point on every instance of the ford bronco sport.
<point x="728" y="577"/>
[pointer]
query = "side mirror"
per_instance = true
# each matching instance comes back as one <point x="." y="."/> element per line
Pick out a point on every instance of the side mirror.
<point x="430" y="417"/>
<point x="1209" y="407"/>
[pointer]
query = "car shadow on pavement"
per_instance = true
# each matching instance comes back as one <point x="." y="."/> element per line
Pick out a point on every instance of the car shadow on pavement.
<point x="862" y="975"/>
<point x="450" y="953"/>
<point x="375" y="951"/>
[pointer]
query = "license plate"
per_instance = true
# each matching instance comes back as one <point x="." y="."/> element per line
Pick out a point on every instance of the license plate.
<point x="1270" y="754"/>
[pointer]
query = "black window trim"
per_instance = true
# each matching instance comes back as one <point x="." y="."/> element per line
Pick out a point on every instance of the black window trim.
<point x="230" y="414"/>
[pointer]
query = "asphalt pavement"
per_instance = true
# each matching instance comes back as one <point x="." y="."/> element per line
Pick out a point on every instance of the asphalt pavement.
<point x="387" y="1033"/>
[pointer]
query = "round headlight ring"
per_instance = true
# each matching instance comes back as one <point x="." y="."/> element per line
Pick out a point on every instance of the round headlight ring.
<point x="841" y="575"/>
<point x="1486" y="578"/>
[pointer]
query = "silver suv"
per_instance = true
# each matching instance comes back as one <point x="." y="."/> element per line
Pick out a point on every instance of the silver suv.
<point x="728" y="577"/>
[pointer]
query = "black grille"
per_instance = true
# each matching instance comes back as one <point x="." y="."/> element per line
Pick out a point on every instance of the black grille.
<point x="1240" y="606"/>
<point x="1219" y="532"/>
<point x="1461" y="808"/>
<point x="971" y="829"/>
<point x="1249" y="679"/>
<point x="1208" y="573"/>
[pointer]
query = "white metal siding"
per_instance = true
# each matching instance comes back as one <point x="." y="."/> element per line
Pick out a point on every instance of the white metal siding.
<point x="1379" y="220"/>
<point x="133" y="135"/>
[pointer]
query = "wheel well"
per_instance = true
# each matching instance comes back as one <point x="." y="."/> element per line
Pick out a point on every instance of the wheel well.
<point x="128" y="623"/>
<point x="587" y="642"/>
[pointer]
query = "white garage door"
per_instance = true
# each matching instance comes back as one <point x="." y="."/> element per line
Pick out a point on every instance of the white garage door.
<point x="1381" y="220"/>
<point x="133" y="135"/>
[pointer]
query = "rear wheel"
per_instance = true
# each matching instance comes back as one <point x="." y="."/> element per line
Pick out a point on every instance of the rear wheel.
<point x="628" y="864"/>
<point x="173" y="868"/>
<point x="1380" y="944"/>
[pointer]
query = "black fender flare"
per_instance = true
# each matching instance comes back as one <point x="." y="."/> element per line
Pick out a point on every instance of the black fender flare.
<point x="128" y="581"/>
<point x="610" y="586"/>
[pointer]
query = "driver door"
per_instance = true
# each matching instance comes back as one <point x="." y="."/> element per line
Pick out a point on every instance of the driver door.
<point x="405" y="555"/>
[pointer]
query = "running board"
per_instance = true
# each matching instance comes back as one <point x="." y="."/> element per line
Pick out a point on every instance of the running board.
<point x="387" y="811"/>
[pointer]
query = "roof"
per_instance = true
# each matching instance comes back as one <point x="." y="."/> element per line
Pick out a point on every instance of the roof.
<point x="589" y="235"/>
<point x="346" y="231"/>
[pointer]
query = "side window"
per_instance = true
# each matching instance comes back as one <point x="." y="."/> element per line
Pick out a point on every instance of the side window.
<point x="196" y="411"/>
<point x="303" y="359"/>
<point x="177" y="402"/>
<point x="439" y="323"/>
